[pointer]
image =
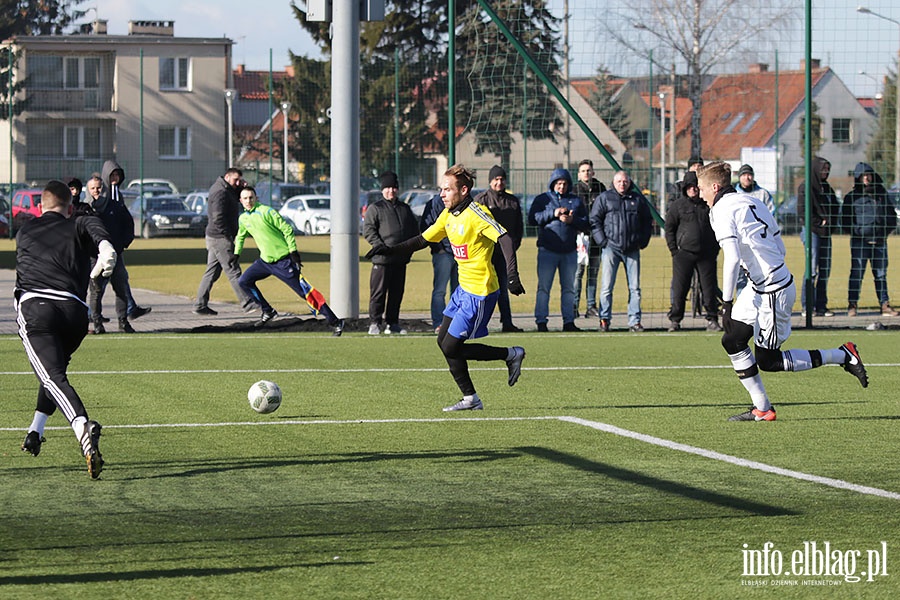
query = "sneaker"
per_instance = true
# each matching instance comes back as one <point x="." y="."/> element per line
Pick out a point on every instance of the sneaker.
<point x="32" y="443"/>
<point x="93" y="457"/>
<point x="591" y="312"/>
<point x="570" y="327"/>
<point x="338" y="329"/>
<point x="510" y="328"/>
<point x="374" y="329"/>
<point x="542" y="327"/>
<point x="205" y="311"/>
<point x="854" y="364"/>
<point x="125" y="326"/>
<point x="266" y="317"/>
<point x="250" y="308"/>
<point x="825" y="313"/>
<point x="473" y="404"/>
<point x="604" y="325"/>
<point x="99" y="328"/>
<point x="754" y="414"/>
<point x="139" y="311"/>
<point x="887" y="311"/>
<point x="852" y="311"/>
<point x="674" y="326"/>
<point x="713" y="325"/>
<point x="394" y="330"/>
<point x="514" y="364"/>
<point x="104" y="319"/>
<point x="636" y="328"/>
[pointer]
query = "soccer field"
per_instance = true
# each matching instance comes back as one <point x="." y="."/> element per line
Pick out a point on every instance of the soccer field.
<point x="608" y="471"/>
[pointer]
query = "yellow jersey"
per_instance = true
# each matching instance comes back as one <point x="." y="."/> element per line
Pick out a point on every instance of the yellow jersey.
<point x="472" y="232"/>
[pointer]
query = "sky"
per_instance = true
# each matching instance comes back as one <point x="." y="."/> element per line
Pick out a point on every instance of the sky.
<point x="845" y="40"/>
<point x="272" y="28"/>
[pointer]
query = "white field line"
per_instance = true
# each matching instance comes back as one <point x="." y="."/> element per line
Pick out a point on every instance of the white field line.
<point x="604" y="427"/>
<point x="409" y="370"/>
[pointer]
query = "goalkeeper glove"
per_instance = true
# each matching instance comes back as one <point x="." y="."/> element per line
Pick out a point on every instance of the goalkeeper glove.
<point x="106" y="260"/>
<point x="515" y="285"/>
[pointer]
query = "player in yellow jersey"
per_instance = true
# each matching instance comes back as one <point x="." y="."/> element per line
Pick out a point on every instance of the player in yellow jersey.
<point x="473" y="235"/>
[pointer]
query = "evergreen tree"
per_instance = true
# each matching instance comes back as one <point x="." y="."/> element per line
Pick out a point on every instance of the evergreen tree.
<point x="492" y="75"/>
<point x="609" y="109"/>
<point x="881" y="150"/>
<point x="816" y="139"/>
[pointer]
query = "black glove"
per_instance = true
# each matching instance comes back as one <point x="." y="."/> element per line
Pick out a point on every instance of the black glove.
<point x="726" y="314"/>
<point x="515" y="285"/>
<point x="295" y="258"/>
<point x="377" y="250"/>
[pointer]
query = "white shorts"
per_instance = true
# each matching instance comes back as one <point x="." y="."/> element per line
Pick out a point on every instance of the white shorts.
<point x="769" y="314"/>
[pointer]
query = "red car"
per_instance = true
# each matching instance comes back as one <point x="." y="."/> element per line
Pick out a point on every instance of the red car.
<point x="26" y="205"/>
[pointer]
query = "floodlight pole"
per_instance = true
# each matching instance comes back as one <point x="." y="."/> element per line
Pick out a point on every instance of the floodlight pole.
<point x="662" y="155"/>
<point x="285" y="109"/>
<point x="230" y="93"/>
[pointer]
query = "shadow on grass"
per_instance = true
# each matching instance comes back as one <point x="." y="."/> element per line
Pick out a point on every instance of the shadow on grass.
<point x="112" y="576"/>
<point x="192" y="469"/>
<point x="663" y="485"/>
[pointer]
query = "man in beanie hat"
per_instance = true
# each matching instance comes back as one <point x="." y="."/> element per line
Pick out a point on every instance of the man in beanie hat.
<point x="388" y="222"/>
<point x="747" y="185"/>
<point x="507" y="211"/>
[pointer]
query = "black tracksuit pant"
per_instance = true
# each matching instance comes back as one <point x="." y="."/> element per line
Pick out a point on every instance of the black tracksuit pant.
<point x="683" y="265"/>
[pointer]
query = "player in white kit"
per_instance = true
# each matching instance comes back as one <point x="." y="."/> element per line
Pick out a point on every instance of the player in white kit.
<point x="750" y="240"/>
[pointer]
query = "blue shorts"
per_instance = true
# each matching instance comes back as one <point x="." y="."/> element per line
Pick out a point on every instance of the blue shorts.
<point x="470" y="313"/>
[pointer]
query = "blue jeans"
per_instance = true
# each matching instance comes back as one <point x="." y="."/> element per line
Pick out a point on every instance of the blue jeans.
<point x="861" y="253"/>
<point x="820" y="259"/>
<point x="445" y="271"/>
<point x="548" y="263"/>
<point x="610" y="259"/>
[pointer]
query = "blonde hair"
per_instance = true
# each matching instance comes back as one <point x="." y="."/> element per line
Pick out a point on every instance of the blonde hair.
<point x="462" y="176"/>
<point x="715" y="172"/>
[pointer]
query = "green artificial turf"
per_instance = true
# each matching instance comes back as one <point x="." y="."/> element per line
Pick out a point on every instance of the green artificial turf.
<point x="359" y="486"/>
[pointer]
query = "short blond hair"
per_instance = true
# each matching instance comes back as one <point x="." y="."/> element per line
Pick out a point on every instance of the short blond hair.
<point x="715" y="172"/>
<point x="462" y="176"/>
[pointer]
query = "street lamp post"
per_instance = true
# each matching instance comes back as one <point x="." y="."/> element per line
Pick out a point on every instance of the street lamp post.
<point x="662" y="153"/>
<point x="866" y="11"/>
<point x="285" y="109"/>
<point x="230" y="94"/>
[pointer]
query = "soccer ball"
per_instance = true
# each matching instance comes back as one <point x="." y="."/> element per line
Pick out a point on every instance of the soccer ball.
<point x="264" y="396"/>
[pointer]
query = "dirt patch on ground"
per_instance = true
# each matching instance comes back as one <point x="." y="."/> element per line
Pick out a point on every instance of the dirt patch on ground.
<point x="294" y="324"/>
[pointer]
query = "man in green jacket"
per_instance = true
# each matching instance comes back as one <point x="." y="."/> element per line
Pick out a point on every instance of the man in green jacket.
<point x="278" y="256"/>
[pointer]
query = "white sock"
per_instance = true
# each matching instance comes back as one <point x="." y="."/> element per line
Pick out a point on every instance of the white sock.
<point x="79" y="426"/>
<point x="472" y="397"/>
<point x="38" y="423"/>
<point x="744" y="361"/>
<point x="797" y="360"/>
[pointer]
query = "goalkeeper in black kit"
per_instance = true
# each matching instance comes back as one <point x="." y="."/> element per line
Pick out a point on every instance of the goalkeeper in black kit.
<point x="53" y="266"/>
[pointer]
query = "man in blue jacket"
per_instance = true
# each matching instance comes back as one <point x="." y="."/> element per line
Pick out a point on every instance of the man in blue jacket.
<point x="560" y="215"/>
<point x="621" y="225"/>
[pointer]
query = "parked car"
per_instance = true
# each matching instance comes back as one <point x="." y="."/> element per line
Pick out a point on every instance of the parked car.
<point x="166" y="215"/>
<point x="164" y="183"/>
<point x="365" y="199"/>
<point x="26" y="205"/>
<point x="418" y="199"/>
<point x="276" y="193"/>
<point x="894" y="197"/>
<point x="787" y="218"/>
<point x="196" y="201"/>
<point x="310" y="215"/>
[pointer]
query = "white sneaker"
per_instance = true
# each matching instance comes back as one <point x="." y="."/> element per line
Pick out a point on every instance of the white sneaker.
<point x="473" y="404"/>
<point x="394" y="330"/>
<point x="514" y="364"/>
<point x="374" y="329"/>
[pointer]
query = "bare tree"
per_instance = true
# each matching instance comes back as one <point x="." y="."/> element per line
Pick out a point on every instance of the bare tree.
<point x="705" y="33"/>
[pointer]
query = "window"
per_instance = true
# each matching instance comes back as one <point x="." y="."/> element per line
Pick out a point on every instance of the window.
<point x="641" y="138"/>
<point x="174" y="142"/>
<point x="734" y="122"/>
<point x="81" y="142"/>
<point x="840" y="131"/>
<point x="751" y="122"/>
<point x="174" y="74"/>
<point x="45" y="71"/>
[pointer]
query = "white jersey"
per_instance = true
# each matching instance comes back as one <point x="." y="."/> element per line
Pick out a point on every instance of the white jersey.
<point x="760" y="247"/>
